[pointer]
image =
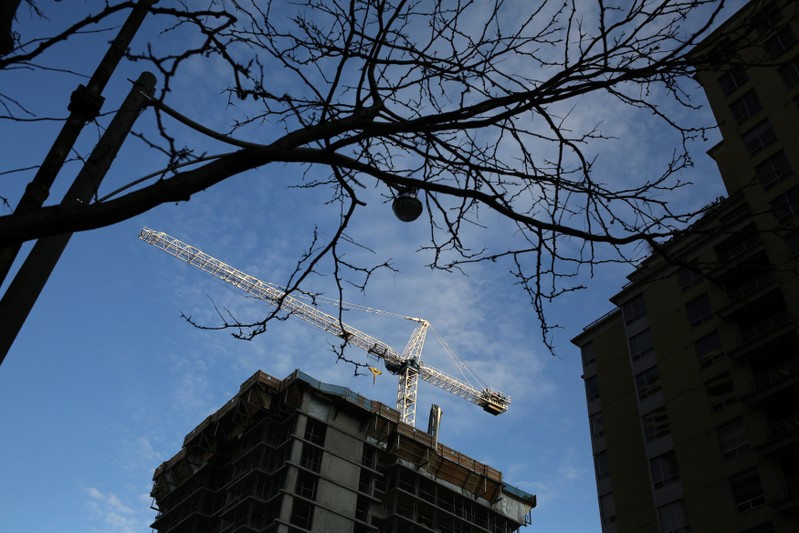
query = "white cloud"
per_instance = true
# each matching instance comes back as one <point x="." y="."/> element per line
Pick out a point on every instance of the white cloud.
<point x="113" y="515"/>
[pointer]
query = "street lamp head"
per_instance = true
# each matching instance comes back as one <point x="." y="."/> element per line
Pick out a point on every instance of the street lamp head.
<point x="406" y="205"/>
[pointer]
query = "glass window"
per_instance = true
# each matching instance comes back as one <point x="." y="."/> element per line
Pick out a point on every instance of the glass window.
<point x="301" y="513"/>
<point x="597" y="425"/>
<point x="699" y="310"/>
<point x="708" y="348"/>
<point x="721" y="391"/>
<point x="664" y="469"/>
<point x="781" y="42"/>
<point x="790" y="72"/>
<point x="641" y="344"/>
<point x="362" y="508"/>
<point x="607" y="509"/>
<point x="369" y="458"/>
<point x="311" y="457"/>
<point x="656" y="424"/>
<point x="732" y="438"/>
<point x="592" y="388"/>
<point x="759" y="137"/>
<point x="733" y="79"/>
<point x="746" y="106"/>
<point x="315" y="431"/>
<point x="647" y="382"/>
<point x="601" y="464"/>
<point x="633" y="309"/>
<point x="689" y="276"/>
<point x="306" y="484"/>
<point x="774" y="169"/>
<point x="787" y="204"/>
<point x="673" y="518"/>
<point x="747" y="492"/>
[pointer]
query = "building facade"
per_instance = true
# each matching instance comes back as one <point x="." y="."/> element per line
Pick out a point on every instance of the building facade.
<point x="297" y="455"/>
<point x="692" y="380"/>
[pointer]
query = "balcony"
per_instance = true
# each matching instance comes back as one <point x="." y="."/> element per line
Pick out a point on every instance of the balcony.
<point x="746" y="294"/>
<point x="781" y="436"/>
<point x="773" y="380"/>
<point x="790" y="500"/>
<point x="761" y="333"/>
<point x="740" y="250"/>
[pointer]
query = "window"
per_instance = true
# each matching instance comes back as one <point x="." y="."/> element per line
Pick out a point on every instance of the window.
<point x="721" y="391"/>
<point x="762" y="528"/>
<point x="745" y="106"/>
<point x="592" y="388"/>
<point x="732" y="438"/>
<point x="601" y="465"/>
<point x="664" y="469"/>
<point x="607" y="509"/>
<point x="369" y="458"/>
<point x="641" y="344"/>
<point x="689" y="276"/>
<point x="787" y="204"/>
<point x="708" y="348"/>
<point x="789" y="72"/>
<point x="759" y="137"/>
<point x="647" y="382"/>
<point x="656" y="424"/>
<point x="633" y="309"/>
<point x="306" y="485"/>
<point x="315" y="431"/>
<point x="699" y="310"/>
<point x="597" y="425"/>
<point x="301" y="513"/>
<point x="587" y="352"/>
<point x="366" y="481"/>
<point x="781" y="42"/>
<point x="311" y="457"/>
<point x="673" y="518"/>
<point x="747" y="492"/>
<point x="362" y="508"/>
<point x="773" y="170"/>
<point x="793" y="243"/>
<point x="733" y="79"/>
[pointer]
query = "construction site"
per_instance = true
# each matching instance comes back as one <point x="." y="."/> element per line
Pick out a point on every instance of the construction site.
<point x="298" y="455"/>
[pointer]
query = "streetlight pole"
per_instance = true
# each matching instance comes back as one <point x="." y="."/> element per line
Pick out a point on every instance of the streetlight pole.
<point x="84" y="106"/>
<point x="24" y="289"/>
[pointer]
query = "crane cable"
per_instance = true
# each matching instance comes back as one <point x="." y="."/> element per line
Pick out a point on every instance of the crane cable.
<point x="460" y="364"/>
<point x="464" y="370"/>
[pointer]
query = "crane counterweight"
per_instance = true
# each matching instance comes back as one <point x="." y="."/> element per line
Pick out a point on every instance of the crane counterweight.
<point x="408" y="365"/>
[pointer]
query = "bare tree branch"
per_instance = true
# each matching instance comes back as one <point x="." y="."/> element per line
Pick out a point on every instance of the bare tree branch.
<point x="472" y="104"/>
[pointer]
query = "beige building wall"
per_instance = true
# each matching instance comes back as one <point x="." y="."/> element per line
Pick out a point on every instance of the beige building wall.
<point x="702" y="351"/>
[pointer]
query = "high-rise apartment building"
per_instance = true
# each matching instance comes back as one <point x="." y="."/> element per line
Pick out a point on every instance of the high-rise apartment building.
<point x="297" y="455"/>
<point x="692" y="381"/>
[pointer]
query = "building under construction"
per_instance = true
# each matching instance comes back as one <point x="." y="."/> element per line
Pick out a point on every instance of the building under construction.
<point x="297" y="455"/>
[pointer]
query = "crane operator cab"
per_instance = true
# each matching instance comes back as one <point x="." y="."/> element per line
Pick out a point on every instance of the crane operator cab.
<point x="494" y="402"/>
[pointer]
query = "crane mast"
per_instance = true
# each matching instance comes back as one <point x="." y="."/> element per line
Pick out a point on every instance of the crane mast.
<point x="407" y="366"/>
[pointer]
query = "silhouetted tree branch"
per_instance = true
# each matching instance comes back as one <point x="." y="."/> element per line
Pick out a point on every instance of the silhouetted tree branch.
<point x="467" y="103"/>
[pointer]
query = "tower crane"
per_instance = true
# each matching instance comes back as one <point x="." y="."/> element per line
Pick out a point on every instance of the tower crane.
<point x="407" y="366"/>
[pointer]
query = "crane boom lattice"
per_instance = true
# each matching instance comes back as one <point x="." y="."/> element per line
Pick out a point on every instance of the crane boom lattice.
<point x="407" y="366"/>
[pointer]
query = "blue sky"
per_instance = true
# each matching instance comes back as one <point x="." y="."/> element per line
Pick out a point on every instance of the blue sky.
<point x="105" y="378"/>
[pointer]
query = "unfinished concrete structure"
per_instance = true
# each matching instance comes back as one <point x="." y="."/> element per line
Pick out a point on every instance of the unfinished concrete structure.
<point x="297" y="455"/>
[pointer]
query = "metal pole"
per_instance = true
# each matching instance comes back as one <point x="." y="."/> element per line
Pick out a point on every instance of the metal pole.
<point x="26" y="286"/>
<point x="84" y="106"/>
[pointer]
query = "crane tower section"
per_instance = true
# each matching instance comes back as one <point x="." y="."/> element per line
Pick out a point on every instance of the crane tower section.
<point x="407" y="366"/>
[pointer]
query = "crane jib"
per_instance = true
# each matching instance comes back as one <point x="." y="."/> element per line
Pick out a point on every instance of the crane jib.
<point x="407" y="366"/>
